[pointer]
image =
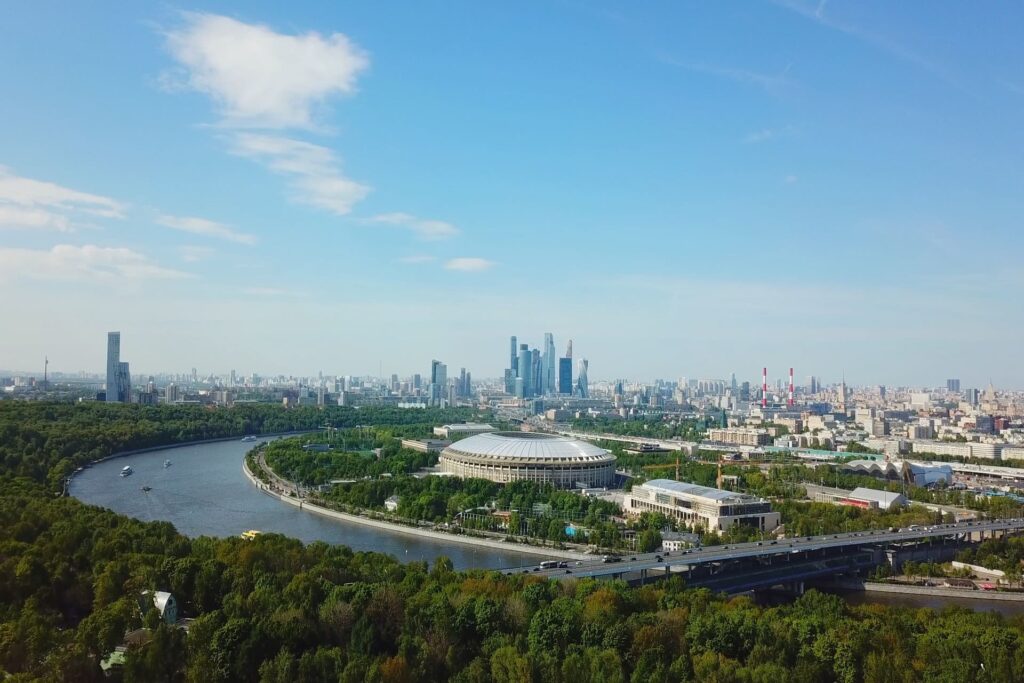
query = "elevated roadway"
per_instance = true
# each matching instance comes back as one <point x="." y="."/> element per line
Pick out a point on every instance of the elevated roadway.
<point x="799" y="552"/>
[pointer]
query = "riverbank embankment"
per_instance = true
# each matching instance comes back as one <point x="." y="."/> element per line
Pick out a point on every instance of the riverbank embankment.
<point x="303" y="504"/>
<point x="930" y="591"/>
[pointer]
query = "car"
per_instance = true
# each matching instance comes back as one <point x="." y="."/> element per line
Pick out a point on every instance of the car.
<point x="536" y="569"/>
<point x="579" y="563"/>
<point x="760" y="543"/>
<point x="774" y="543"/>
<point x="568" y="571"/>
<point x="563" y="565"/>
<point x="658" y="558"/>
<point x="667" y="553"/>
<point x="836" y="536"/>
<point x="632" y="559"/>
<point x="526" y="571"/>
<point x="725" y="547"/>
<point x="611" y="558"/>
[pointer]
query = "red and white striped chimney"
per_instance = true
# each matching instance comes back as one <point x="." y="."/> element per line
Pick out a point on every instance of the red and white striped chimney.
<point x="791" y="387"/>
<point x="764" y="388"/>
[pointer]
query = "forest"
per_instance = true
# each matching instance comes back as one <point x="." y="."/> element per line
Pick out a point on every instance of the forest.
<point x="275" y="610"/>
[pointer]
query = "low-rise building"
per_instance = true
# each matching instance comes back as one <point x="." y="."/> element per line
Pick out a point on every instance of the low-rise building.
<point x="462" y="429"/>
<point x="700" y="506"/>
<point x="426" y="445"/>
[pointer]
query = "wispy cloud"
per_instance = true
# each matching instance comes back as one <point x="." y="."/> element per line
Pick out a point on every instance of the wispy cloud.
<point x="85" y="263"/>
<point x="469" y="264"/>
<point x="315" y="172"/>
<point x="31" y="204"/>
<point x="768" y="134"/>
<point x="790" y="179"/>
<point x="816" y="12"/>
<point x="258" y="77"/>
<point x="269" y="292"/>
<point x="772" y="83"/>
<point x="193" y="254"/>
<point x="427" y="229"/>
<point x="417" y="258"/>
<point x="207" y="228"/>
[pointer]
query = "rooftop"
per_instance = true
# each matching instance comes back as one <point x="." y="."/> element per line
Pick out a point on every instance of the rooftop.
<point x="528" y="446"/>
<point x="698" y="490"/>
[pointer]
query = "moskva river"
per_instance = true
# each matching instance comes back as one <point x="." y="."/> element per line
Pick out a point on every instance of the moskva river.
<point x="204" y="493"/>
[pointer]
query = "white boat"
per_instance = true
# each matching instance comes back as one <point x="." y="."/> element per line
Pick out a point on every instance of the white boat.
<point x="167" y="463"/>
<point x="248" y="438"/>
<point x="126" y="470"/>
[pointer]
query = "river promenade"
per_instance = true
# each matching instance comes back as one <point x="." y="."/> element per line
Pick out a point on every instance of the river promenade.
<point x="287" y="492"/>
<point x="929" y="591"/>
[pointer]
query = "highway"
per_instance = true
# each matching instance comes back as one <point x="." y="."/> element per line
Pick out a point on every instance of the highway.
<point x="684" y="559"/>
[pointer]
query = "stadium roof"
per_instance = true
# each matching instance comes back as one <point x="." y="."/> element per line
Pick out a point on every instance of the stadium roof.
<point x="528" y="446"/>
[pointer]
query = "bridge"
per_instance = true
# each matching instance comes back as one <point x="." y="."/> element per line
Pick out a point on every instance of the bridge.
<point x="761" y="564"/>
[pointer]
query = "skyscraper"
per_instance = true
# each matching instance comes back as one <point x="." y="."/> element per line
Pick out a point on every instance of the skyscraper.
<point x="582" y="388"/>
<point x="524" y="370"/>
<point x="514" y="361"/>
<point x="548" y="365"/>
<point x="438" y="381"/>
<point x="953" y="385"/>
<point x="565" y="376"/>
<point x="119" y="384"/>
<point x="113" y="361"/>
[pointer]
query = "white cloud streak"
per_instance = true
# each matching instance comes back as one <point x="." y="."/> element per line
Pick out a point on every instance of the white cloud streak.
<point x="469" y="264"/>
<point x="417" y="258"/>
<point x="426" y="229"/>
<point x="204" y="227"/>
<point x="768" y="134"/>
<point x="31" y="204"/>
<point x="258" y="77"/>
<point x="315" y="172"/>
<point x="85" y="263"/>
<point x="769" y="82"/>
<point x="193" y="254"/>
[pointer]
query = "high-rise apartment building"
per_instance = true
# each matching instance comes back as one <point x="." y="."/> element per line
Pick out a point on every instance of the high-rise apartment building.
<point x="953" y="385"/>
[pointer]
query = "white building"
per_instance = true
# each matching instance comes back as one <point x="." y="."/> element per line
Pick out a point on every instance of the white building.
<point x="700" y="506"/>
<point x="446" y="431"/>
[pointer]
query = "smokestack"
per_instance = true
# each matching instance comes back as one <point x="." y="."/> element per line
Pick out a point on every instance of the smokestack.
<point x="791" y="387"/>
<point x="764" y="388"/>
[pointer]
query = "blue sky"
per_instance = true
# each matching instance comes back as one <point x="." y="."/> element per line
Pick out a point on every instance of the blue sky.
<point x="683" y="189"/>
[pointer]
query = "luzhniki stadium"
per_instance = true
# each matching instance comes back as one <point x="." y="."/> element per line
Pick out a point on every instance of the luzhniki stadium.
<point x="515" y="456"/>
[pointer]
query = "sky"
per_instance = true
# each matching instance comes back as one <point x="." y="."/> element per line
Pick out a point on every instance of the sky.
<point x="683" y="189"/>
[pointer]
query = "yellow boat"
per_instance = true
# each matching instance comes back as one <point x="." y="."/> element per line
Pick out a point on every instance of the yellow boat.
<point x="251" y="534"/>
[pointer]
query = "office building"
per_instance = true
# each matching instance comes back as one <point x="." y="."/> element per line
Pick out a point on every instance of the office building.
<point x="438" y="382"/>
<point x="953" y="385"/>
<point x="548" y="362"/>
<point x="700" y="507"/>
<point x="119" y="383"/>
<point x="565" y="376"/>
<point x="582" y="386"/>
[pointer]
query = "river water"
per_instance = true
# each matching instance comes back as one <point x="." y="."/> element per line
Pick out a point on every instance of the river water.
<point x="205" y="493"/>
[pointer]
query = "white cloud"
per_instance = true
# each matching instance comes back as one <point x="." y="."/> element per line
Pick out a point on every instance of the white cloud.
<point x="261" y="78"/>
<point x="426" y="228"/>
<point x="89" y="262"/>
<point x="469" y="264"/>
<point x="790" y="179"/>
<point x="207" y="228"/>
<point x="32" y="218"/>
<point x="193" y="254"/>
<point x="417" y="258"/>
<point x="315" y="172"/>
<point x="29" y="203"/>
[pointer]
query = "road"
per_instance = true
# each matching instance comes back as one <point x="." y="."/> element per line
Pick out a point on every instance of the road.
<point x="682" y="560"/>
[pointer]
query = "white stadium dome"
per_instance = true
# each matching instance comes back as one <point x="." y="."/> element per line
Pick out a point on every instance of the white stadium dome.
<point x="514" y="456"/>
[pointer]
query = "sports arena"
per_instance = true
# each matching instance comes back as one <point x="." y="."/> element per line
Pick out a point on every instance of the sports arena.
<point x="515" y="456"/>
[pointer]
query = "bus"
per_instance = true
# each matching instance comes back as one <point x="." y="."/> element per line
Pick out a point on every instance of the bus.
<point x="549" y="564"/>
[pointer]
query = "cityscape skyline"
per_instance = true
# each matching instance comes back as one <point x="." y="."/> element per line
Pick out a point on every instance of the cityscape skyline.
<point x="548" y="375"/>
<point x="687" y="190"/>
